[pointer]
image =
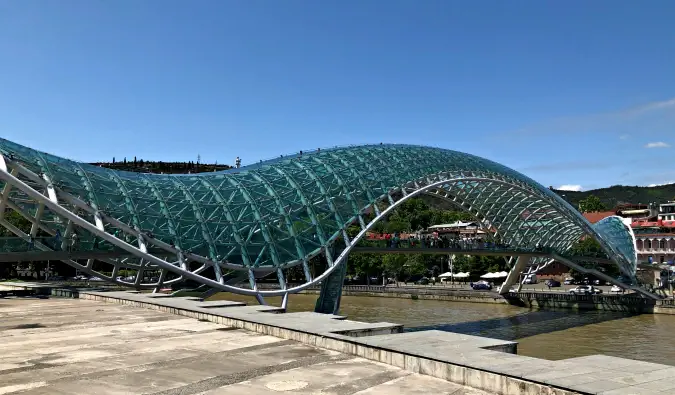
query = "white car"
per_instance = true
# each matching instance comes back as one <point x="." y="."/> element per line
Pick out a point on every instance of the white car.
<point x="585" y="290"/>
<point x="616" y="288"/>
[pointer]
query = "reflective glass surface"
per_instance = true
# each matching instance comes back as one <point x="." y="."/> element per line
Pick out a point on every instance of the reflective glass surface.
<point x="282" y="210"/>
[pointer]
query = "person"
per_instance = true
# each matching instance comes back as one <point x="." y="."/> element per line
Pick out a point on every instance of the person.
<point x="73" y="241"/>
<point x="57" y="240"/>
<point x="31" y="243"/>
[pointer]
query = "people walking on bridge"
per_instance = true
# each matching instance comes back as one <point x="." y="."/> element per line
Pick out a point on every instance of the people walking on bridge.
<point x="73" y="241"/>
<point x="57" y="240"/>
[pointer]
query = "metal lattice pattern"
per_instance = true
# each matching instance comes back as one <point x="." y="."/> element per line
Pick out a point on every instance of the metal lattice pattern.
<point x="279" y="213"/>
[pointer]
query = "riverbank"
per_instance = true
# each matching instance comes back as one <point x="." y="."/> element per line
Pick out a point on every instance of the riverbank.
<point x="537" y="300"/>
<point x="449" y="295"/>
<point x="478" y="362"/>
<point x="546" y="300"/>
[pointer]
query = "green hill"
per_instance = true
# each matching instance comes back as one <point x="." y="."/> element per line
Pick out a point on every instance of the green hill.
<point x="618" y="194"/>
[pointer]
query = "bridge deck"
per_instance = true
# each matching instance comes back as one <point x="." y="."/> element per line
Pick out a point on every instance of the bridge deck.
<point x="27" y="256"/>
<point x="505" y="252"/>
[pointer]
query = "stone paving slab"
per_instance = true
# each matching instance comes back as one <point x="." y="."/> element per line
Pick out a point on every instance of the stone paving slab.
<point x="306" y="322"/>
<point x="151" y="352"/>
<point x="220" y="303"/>
<point x="596" y="374"/>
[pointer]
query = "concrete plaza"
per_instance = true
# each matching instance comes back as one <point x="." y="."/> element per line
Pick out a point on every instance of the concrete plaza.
<point x="76" y="346"/>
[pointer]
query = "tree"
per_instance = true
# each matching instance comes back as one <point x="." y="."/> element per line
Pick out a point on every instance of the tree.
<point x="415" y="266"/>
<point x="591" y="204"/>
<point x="393" y="265"/>
<point x="365" y="264"/>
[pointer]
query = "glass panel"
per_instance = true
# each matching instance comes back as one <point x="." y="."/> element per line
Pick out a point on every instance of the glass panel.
<point x="275" y="211"/>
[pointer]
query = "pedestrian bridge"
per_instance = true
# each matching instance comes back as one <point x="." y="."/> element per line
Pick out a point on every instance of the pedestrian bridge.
<point x="276" y="215"/>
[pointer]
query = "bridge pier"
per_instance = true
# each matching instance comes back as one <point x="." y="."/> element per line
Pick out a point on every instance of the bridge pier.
<point x="331" y="290"/>
<point x="514" y="275"/>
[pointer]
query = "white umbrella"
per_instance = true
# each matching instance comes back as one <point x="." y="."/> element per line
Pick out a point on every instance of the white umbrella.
<point x="462" y="275"/>
<point x="488" y="275"/>
<point x="446" y="275"/>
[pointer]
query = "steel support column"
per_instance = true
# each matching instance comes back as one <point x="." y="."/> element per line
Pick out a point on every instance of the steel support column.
<point x="514" y="274"/>
<point x="331" y="290"/>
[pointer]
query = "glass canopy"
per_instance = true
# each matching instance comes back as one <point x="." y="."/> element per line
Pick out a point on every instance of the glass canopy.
<point x="289" y="208"/>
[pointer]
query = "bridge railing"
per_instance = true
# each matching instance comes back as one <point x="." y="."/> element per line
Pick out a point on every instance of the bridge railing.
<point x="474" y="247"/>
<point x="28" y="245"/>
<point x="450" y="245"/>
<point x="18" y="244"/>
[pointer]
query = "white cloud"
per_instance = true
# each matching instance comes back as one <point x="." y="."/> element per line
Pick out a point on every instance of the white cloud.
<point x="658" y="144"/>
<point x="569" y="187"/>
<point x="609" y="121"/>
<point x="663" y="183"/>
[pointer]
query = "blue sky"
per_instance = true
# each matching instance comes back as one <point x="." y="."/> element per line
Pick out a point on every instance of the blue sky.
<point x="577" y="93"/>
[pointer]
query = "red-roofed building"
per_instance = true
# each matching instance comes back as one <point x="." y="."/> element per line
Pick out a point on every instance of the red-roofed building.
<point x="597" y="216"/>
<point x="655" y="236"/>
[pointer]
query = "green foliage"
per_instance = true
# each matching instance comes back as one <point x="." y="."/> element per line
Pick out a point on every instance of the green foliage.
<point x="479" y="265"/>
<point x="416" y="214"/>
<point x="17" y="220"/>
<point x="393" y="265"/>
<point x="618" y="194"/>
<point x="365" y="264"/>
<point x="412" y="215"/>
<point x="591" y="204"/>
<point x="587" y="246"/>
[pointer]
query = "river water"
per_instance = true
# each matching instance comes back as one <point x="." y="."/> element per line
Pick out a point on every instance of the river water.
<point x="550" y="335"/>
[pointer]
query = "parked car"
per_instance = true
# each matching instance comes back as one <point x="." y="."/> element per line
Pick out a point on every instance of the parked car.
<point x="569" y="281"/>
<point x="56" y="278"/>
<point x="616" y="288"/>
<point x="422" y="281"/>
<point x="513" y="289"/>
<point x="552" y="283"/>
<point x="481" y="286"/>
<point x="585" y="290"/>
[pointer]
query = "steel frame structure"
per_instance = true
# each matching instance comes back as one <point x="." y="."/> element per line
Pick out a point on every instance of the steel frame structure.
<point x="278" y="214"/>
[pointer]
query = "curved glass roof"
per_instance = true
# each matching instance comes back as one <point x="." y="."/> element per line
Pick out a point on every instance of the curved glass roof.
<point x="279" y="211"/>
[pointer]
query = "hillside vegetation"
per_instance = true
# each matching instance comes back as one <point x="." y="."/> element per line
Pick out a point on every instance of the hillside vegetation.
<point x="141" y="166"/>
<point x="619" y="194"/>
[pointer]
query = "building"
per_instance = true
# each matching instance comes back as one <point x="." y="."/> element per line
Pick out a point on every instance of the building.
<point x="457" y="229"/>
<point x="654" y="228"/>
<point x="667" y="212"/>
<point x="655" y="241"/>
<point x="655" y="236"/>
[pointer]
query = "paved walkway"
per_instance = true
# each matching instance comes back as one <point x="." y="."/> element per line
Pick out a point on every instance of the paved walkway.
<point x="74" y="346"/>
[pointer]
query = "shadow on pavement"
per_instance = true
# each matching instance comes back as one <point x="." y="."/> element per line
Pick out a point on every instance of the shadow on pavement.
<point x="527" y="324"/>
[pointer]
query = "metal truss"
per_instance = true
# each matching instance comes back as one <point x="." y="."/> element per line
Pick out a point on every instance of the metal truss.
<point x="274" y="216"/>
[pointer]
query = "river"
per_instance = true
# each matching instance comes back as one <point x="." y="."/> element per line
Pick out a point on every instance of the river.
<point x="544" y="334"/>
